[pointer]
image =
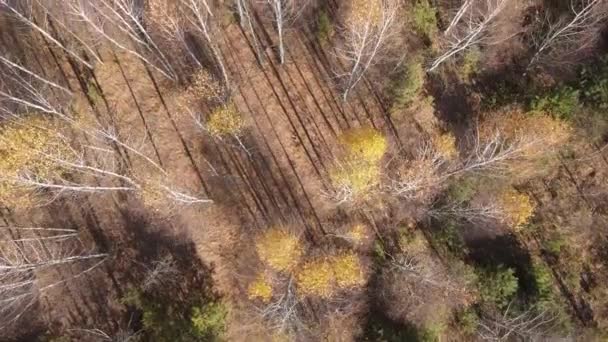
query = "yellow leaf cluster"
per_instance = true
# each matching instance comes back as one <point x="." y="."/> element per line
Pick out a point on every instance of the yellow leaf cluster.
<point x="518" y="208"/>
<point x="260" y="289"/>
<point x="279" y="249"/>
<point x="360" y="169"/>
<point x="515" y="124"/>
<point x="323" y="277"/>
<point x="365" y="12"/>
<point x="23" y="143"/>
<point x="347" y="270"/>
<point x="225" y="120"/>
<point x="357" y="233"/>
<point x="445" y="145"/>
<point x="357" y="176"/>
<point x="28" y="147"/>
<point x="364" y="144"/>
<point x="205" y="86"/>
<point x="316" y="279"/>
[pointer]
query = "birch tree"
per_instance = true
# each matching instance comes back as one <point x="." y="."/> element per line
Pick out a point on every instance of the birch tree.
<point x="243" y="10"/>
<point x="471" y="26"/>
<point x="285" y="13"/>
<point x="120" y="22"/>
<point x="572" y="33"/>
<point x="200" y="19"/>
<point x="420" y="176"/>
<point x="366" y="29"/>
<point x="28" y="254"/>
<point x="25" y="11"/>
<point x="42" y="153"/>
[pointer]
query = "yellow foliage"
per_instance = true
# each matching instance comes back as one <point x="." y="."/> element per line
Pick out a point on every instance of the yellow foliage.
<point x="360" y="170"/>
<point x="205" y="86"/>
<point x="323" y="277"/>
<point x="517" y="207"/>
<point x="445" y="145"/>
<point x="347" y="270"/>
<point x="261" y="289"/>
<point x="29" y="147"/>
<point x="545" y="131"/>
<point x="357" y="233"/>
<point x="364" y="12"/>
<point x="279" y="249"/>
<point x="358" y="177"/>
<point x="413" y="243"/>
<point x="364" y="144"/>
<point x="316" y="279"/>
<point x="225" y="120"/>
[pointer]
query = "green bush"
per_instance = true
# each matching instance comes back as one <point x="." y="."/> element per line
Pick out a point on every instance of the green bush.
<point x="425" y="18"/>
<point x="498" y="286"/>
<point x="562" y="102"/>
<point x="467" y="321"/>
<point x="408" y="86"/>
<point x="462" y="190"/>
<point x="469" y="64"/>
<point x="325" y="28"/>
<point x="449" y="240"/>
<point x="431" y="333"/>
<point x="209" y="321"/>
<point x="554" y="244"/>
<point x="170" y="321"/>
<point x="594" y="83"/>
<point x="545" y="298"/>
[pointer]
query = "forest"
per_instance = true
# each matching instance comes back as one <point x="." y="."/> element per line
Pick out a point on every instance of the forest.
<point x="303" y="170"/>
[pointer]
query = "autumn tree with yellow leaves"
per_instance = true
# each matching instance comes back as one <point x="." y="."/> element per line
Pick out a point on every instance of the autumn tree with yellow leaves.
<point x="359" y="171"/>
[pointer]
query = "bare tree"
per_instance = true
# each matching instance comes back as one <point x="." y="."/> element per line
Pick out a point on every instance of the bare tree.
<point x="570" y="35"/>
<point x="101" y="336"/>
<point x="464" y="8"/>
<point x="282" y="314"/>
<point x="285" y="13"/>
<point x="476" y="212"/>
<point x="470" y="27"/>
<point x="24" y="12"/>
<point x="532" y="324"/>
<point x="162" y="271"/>
<point x="94" y="161"/>
<point x="27" y="254"/>
<point x="199" y="16"/>
<point x="420" y="175"/>
<point x="243" y="10"/>
<point x="120" y="22"/>
<point x="365" y="31"/>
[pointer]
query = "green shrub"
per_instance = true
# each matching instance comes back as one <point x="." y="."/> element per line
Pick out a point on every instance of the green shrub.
<point x="431" y="333"/>
<point x="408" y="86"/>
<point x="562" y="102"/>
<point x="469" y="64"/>
<point x="379" y="252"/>
<point x="325" y="28"/>
<point x="169" y="321"/>
<point x="425" y="18"/>
<point x="208" y="321"/>
<point x="462" y="190"/>
<point x="543" y="282"/>
<point x="546" y="300"/>
<point x="594" y="83"/>
<point x="554" y="244"/>
<point x="467" y="321"/>
<point x="498" y="286"/>
<point x="448" y="239"/>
